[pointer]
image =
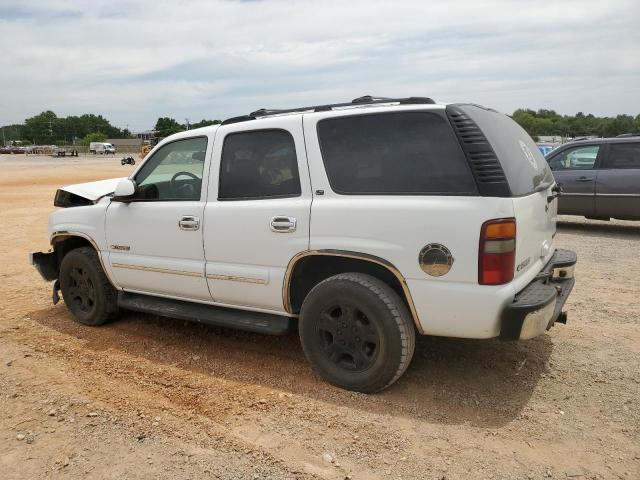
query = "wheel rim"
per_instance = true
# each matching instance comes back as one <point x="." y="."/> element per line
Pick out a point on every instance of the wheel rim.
<point x="348" y="337"/>
<point x="81" y="289"/>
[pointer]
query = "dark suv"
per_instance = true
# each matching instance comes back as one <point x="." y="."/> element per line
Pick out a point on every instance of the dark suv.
<point x="600" y="178"/>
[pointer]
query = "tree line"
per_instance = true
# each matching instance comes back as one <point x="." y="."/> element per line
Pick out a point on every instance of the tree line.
<point x="548" y="122"/>
<point x="47" y="128"/>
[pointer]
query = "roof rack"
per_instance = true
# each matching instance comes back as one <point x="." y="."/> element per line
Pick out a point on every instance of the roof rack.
<point x="364" y="100"/>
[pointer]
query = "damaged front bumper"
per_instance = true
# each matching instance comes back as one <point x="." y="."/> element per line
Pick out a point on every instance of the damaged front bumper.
<point x="539" y="305"/>
<point x="47" y="265"/>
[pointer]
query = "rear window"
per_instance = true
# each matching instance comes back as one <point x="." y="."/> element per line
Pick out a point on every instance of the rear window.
<point x="399" y="153"/>
<point x="524" y="166"/>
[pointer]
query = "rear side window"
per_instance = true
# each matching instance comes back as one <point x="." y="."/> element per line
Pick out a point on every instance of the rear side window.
<point x="259" y="164"/>
<point x="624" y="155"/>
<point x="523" y="164"/>
<point x="394" y="154"/>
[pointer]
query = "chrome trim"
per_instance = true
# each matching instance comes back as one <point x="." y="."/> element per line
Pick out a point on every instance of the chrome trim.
<point x="435" y="259"/>
<point x="189" y="223"/>
<point x="236" y="278"/>
<point x="156" y="270"/>
<point x="536" y="322"/>
<point x="283" y="224"/>
<point x="69" y="233"/>
<point x="286" y="300"/>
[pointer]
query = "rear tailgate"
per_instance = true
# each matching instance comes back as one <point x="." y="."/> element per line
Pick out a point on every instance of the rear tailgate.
<point x="535" y="231"/>
<point x="530" y="184"/>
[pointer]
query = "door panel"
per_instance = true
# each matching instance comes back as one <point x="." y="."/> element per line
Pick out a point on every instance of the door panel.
<point x="162" y="258"/>
<point x="618" y="187"/>
<point x="575" y="170"/>
<point x="155" y="241"/>
<point x="257" y="217"/>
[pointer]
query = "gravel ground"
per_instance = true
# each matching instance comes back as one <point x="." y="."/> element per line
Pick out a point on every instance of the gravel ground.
<point x="147" y="397"/>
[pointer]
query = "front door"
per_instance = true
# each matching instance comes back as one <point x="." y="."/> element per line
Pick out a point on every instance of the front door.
<point x="575" y="170"/>
<point x="155" y="241"/>
<point x="257" y="217"/>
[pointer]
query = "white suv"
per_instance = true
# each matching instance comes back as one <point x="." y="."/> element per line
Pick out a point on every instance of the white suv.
<point x="365" y="221"/>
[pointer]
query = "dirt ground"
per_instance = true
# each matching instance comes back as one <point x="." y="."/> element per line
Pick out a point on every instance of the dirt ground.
<point x="148" y="397"/>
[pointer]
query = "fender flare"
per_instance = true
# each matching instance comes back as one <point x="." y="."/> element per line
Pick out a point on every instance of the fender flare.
<point x="62" y="235"/>
<point x="286" y="297"/>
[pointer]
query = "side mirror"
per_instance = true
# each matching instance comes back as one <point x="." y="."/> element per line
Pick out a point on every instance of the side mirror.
<point x="125" y="189"/>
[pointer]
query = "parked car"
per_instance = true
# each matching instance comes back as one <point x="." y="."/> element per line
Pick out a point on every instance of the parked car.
<point x="600" y="178"/>
<point x="365" y="222"/>
<point x="13" y="149"/>
<point x="102" y="148"/>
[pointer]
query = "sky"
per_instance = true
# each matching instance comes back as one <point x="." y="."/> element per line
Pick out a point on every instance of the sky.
<point x="134" y="61"/>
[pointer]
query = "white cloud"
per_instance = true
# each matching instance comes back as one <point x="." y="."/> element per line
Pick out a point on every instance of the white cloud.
<point x="134" y="61"/>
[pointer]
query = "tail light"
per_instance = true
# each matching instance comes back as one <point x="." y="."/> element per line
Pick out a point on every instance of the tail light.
<point x="497" y="254"/>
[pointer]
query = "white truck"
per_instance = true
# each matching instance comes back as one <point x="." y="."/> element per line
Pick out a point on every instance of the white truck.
<point x="361" y="223"/>
<point x="102" y="148"/>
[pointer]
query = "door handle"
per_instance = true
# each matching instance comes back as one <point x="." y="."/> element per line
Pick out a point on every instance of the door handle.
<point x="584" y="179"/>
<point x="282" y="224"/>
<point x="189" y="222"/>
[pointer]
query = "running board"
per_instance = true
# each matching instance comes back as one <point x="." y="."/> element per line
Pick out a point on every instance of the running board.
<point x="209" y="314"/>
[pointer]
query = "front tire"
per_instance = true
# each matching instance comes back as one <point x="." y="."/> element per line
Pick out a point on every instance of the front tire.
<point x="356" y="332"/>
<point x="86" y="290"/>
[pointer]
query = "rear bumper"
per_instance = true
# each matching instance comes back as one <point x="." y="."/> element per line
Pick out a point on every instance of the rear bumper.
<point x="539" y="305"/>
<point x="46" y="264"/>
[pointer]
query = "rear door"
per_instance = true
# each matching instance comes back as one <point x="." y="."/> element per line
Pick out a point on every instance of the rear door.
<point x="257" y="217"/>
<point x="618" y="185"/>
<point x="576" y="170"/>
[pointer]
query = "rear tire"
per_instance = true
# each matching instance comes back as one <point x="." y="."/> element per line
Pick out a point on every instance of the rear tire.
<point x="86" y="290"/>
<point x="356" y="332"/>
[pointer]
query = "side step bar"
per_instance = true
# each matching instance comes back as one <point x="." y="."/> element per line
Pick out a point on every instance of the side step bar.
<point x="209" y="314"/>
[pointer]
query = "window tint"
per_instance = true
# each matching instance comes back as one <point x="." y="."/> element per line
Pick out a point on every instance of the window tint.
<point x="624" y="155"/>
<point x="259" y="164"/>
<point x="174" y="172"/>
<point x="523" y="164"/>
<point x="578" y="158"/>
<point x="393" y="153"/>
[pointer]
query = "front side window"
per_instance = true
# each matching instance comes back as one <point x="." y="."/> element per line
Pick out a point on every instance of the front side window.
<point x="174" y="172"/>
<point x="394" y="154"/>
<point x="624" y="155"/>
<point x="578" y="158"/>
<point x="259" y="164"/>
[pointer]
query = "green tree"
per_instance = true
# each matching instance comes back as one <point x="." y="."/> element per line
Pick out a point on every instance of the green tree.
<point x="205" y="123"/>
<point x="166" y="126"/>
<point x="93" y="137"/>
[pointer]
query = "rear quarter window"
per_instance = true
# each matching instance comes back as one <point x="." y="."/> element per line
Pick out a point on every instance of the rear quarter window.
<point x="402" y="153"/>
<point x="524" y="166"/>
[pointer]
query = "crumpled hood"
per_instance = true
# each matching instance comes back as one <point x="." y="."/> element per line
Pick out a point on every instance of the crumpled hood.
<point x="93" y="190"/>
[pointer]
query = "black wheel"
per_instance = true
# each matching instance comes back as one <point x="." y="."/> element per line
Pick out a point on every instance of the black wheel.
<point x="356" y="332"/>
<point x="86" y="289"/>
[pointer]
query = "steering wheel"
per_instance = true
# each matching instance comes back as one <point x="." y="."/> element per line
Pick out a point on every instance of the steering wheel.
<point x="187" y="187"/>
